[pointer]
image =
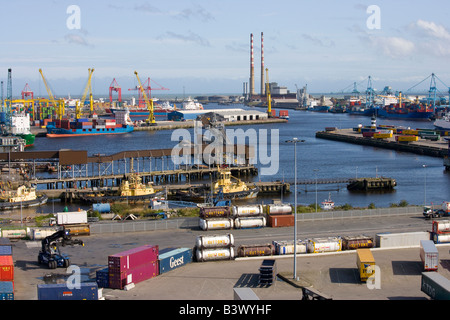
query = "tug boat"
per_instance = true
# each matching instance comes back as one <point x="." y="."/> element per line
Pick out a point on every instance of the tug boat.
<point x="236" y="189"/>
<point x="23" y="197"/>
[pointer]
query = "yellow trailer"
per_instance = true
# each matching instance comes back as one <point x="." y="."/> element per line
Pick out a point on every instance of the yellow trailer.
<point x="365" y="263"/>
<point x="382" y="135"/>
<point x="407" y="138"/>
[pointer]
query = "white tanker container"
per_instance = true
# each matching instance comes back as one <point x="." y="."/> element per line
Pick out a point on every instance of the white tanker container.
<point x="441" y="238"/>
<point x="216" y="224"/>
<point x="441" y="226"/>
<point x="248" y="210"/>
<point x="275" y="209"/>
<point x="215" y="254"/>
<point x="216" y="241"/>
<point x="287" y="247"/>
<point x="324" y="245"/>
<point x="256" y="222"/>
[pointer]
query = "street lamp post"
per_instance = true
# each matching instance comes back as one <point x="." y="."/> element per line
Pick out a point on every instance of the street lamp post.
<point x="425" y="186"/>
<point x="315" y="174"/>
<point x="295" y="141"/>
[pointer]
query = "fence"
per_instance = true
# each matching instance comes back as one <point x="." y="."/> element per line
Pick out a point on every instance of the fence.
<point x="182" y="223"/>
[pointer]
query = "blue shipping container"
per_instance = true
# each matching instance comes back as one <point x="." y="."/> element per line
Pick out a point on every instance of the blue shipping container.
<point x="60" y="291"/>
<point x="5" y="250"/>
<point x="6" y="290"/>
<point x="102" y="277"/>
<point x="171" y="258"/>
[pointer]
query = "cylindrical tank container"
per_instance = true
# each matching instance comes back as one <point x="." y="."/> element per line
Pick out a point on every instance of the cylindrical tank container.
<point x="101" y="207"/>
<point x="14" y="233"/>
<point x="256" y="222"/>
<point x="216" y="241"/>
<point x="317" y="245"/>
<point x="248" y="210"/>
<point x="41" y="233"/>
<point x="441" y="237"/>
<point x="256" y="250"/>
<point x="357" y="242"/>
<point x="216" y="224"/>
<point x="215" y="254"/>
<point x="277" y="209"/>
<point x="215" y="212"/>
<point x="287" y="247"/>
<point x="441" y="226"/>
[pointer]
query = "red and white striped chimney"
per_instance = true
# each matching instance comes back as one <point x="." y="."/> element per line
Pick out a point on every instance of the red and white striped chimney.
<point x="262" y="65"/>
<point x="252" y="68"/>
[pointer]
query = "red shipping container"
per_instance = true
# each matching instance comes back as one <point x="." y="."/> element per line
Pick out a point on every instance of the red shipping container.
<point x="281" y="220"/>
<point x="118" y="280"/>
<point x="132" y="258"/>
<point x="6" y="268"/>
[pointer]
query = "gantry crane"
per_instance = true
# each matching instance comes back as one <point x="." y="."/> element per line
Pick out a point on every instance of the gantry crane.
<point x="80" y="103"/>
<point x="114" y="87"/>
<point x="149" y="103"/>
<point x="269" y="98"/>
<point x="148" y="89"/>
<point x="58" y="105"/>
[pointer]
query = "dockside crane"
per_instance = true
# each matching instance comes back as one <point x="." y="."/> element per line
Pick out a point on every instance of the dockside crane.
<point x="148" y="89"/>
<point x="149" y="103"/>
<point x="80" y="103"/>
<point x="114" y="86"/>
<point x="269" y="98"/>
<point x="59" y="106"/>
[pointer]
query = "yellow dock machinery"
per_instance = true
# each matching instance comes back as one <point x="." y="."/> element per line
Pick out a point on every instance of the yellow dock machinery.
<point x="149" y="103"/>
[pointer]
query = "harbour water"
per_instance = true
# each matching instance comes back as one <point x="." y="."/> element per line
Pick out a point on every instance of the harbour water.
<point x="316" y="158"/>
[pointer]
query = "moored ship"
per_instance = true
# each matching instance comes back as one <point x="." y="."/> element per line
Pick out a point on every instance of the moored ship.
<point x="23" y="197"/>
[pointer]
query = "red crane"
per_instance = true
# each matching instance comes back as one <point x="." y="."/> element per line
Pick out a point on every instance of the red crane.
<point x="114" y="87"/>
<point x="26" y="92"/>
<point x="148" y="90"/>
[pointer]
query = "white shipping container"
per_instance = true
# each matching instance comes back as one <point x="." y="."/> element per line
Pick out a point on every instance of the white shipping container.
<point x="441" y="238"/>
<point x="429" y="255"/>
<point x="324" y="245"/>
<point x="256" y="222"/>
<point x="41" y="233"/>
<point x="441" y="226"/>
<point x="73" y="217"/>
<point x="407" y="239"/>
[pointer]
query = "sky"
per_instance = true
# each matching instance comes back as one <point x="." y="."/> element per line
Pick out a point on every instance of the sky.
<point x="203" y="47"/>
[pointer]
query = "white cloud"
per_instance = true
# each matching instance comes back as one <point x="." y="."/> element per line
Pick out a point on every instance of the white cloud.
<point x="394" y="47"/>
<point x="432" y="29"/>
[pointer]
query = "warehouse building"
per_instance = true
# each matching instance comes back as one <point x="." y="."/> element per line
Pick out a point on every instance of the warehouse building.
<point x="227" y="114"/>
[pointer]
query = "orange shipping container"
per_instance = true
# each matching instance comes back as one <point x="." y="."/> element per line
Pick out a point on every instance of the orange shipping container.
<point x="6" y="268"/>
<point x="284" y="220"/>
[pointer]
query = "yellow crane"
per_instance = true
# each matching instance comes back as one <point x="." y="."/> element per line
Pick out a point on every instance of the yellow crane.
<point x="80" y="104"/>
<point x="151" y="116"/>
<point x="59" y="105"/>
<point x="269" y="98"/>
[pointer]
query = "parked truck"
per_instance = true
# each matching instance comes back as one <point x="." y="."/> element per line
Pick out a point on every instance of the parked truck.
<point x="75" y="222"/>
<point x="443" y="211"/>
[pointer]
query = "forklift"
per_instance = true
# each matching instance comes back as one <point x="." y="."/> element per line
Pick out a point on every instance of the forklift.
<point x="50" y="253"/>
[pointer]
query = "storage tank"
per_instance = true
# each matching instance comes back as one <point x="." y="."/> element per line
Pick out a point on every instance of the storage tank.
<point x="256" y="250"/>
<point x="441" y="237"/>
<point x="101" y="207"/>
<point x="243" y="223"/>
<point x="216" y="224"/>
<point x="356" y="242"/>
<point x="248" y="210"/>
<point x="441" y="226"/>
<point x="277" y="209"/>
<point x="287" y="247"/>
<point x="214" y="254"/>
<point x="215" y="212"/>
<point x="330" y="244"/>
<point x="215" y="241"/>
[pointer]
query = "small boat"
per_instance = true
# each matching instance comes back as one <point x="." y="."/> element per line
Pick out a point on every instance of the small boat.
<point x="23" y="197"/>
<point x="191" y="104"/>
<point x="328" y="204"/>
<point x="236" y="189"/>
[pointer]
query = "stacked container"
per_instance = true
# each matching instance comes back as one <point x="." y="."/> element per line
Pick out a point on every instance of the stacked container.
<point x="133" y="266"/>
<point x="441" y="231"/>
<point x="217" y="247"/>
<point x="280" y="215"/>
<point x="239" y="217"/>
<point x="6" y="270"/>
<point x="249" y="216"/>
<point x="172" y="258"/>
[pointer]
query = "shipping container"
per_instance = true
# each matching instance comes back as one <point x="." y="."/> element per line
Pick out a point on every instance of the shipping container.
<point x="13" y="233"/>
<point x="216" y="224"/>
<point x="133" y="258"/>
<point x="355" y="242"/>
<point x="406" y="138"/>
<point x="248" y="210"/>
<point x="287" y="247"/>
<point x="441" y="226"/>
<point x="429" y="255"/>
<point x="249" y="222"/>
<point x="142" y="272"/>
<point x="365" y="263"/>
<point x="382" y="135"/>
<point x="215" y="212"/>
<point x="6" y="290"/>
<point x="279" y="209"/>
<point x="6" y="250"/>
<point x="170" y="258"/>
<point x="101" y="207"/>
<point x="214" y="254"/>
<point x="102" y="277"/>
<point x="330" y="244"/>
<point x="215" y="241"/>
<point x="41" y="233"/>
<point x="275" y="221"/>
<point x="71" y="217"/>
<point x="440" y="237"/>
<point x="6" y="268"/>
<point x="256" y="250"/>
<point x="407" y="239"/>
<point x="60" y="291"/>
<point x="435" y="285"/>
